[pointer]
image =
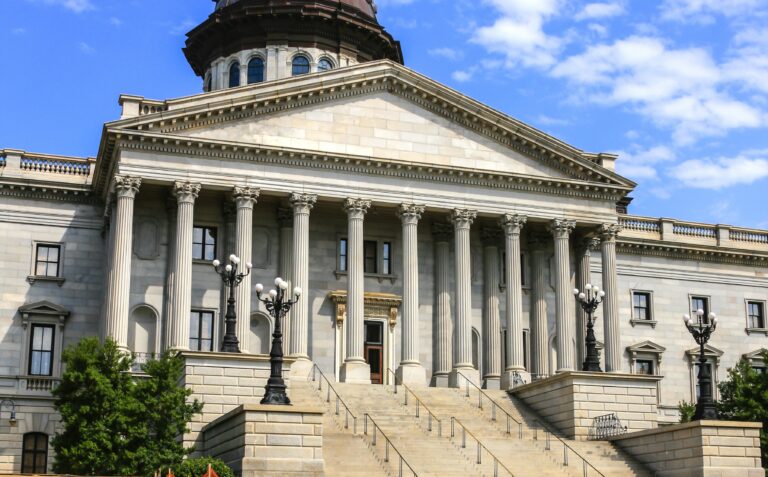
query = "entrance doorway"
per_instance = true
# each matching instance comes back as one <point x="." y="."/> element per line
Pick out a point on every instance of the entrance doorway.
<point x="374" y="350"/>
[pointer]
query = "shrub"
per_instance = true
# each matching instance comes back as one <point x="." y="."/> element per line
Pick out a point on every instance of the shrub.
<point x="198" y="466"/>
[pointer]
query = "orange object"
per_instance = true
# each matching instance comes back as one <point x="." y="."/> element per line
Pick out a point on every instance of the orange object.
<point x="210" y="472"/>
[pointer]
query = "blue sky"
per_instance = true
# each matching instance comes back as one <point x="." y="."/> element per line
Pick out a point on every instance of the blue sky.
<point x="679" y="88"/>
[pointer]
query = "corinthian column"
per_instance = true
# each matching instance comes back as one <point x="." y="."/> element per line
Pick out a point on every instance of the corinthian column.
<point x="513" y="226"/>
<point x="185" y="193"/>
<point x="410" y="370"/>
<point x="539" y="322"/>
<point x="566" y="353"/>
<point x="491" y="237"/>
<point x="302" y="205"/>
<point x="355" y="369"/>
<point x="245" y="198"/>
<point x="443" y="328"/>
<point x="119" y="278"/>
<point x="462" y="332"/>
<point x="608" y="234"/>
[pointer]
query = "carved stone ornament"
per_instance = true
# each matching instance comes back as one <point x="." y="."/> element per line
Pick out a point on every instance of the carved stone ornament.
<point x="410" y="212"/>
<point x="562" y="228"/>
<point x="376" y="305"/>
<point x="302" y="203"/>
<point x="126" y="186"/>
<point x="463" y="218"/>
<point x="442" y="232"/>
<point x="356" y="208"/>
<point x="186" y="191"/>
<point x="609" y="232"/>
<point x="513" y="223"/>
<point x="246" y="196"/>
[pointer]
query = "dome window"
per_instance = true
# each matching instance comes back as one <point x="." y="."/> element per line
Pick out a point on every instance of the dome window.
<point x="255" y="71"/>
<point x="234" y="75"/>
<point x="324" y="65"/>
<point x="300" y="65"/>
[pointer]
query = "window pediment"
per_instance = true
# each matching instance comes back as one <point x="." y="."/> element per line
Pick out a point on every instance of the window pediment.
<point x="710" y="352"/>
<point x="646" y="347"/>
<point x="46" y="310"/>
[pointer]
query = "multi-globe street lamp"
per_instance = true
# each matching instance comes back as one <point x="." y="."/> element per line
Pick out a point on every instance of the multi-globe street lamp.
<point x="702" y="329"/>
<point x="232" y="279"/>
<point x="278" y="304"/>
<point x="589" y="300"/>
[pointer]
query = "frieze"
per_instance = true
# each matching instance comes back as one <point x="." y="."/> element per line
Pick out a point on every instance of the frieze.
<point x="376" y="305"/>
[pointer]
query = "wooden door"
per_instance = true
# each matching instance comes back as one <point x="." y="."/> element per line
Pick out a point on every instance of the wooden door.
<point x="374" y="350"/>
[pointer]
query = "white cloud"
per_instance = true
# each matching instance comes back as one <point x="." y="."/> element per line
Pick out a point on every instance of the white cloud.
<point x="643" y="163"/>
<point x="519" y="33"/>
<point x="748" y="64"/>
<point x="462" y="76"/>
<point x="545" y="120"/>
<point x="77" y="6"/>
<point x="447" y="53"/>
<point x="115" y="21"/>
<point x="19" y="31"/>
<point x="721" y="172"/>
<point x="593" y="11"/>
<point x="702" y="10"/>
<point x="86" y="48"/>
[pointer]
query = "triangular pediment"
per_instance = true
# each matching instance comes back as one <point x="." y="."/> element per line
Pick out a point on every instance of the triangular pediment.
<point x="709" y="351"/>
<point x="43" y="308"/>
<point x="377" y="111"/>
<point x="754" y="355"/>
<point x="646" y="347"/>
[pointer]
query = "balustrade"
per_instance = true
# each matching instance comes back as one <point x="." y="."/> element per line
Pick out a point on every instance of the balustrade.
<point x="56" y="166"/>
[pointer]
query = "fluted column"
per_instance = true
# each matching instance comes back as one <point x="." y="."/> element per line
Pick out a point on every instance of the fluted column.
<point x="566" y="352"/>
<point x="410" y="370"/>
<point x="245" y="198"/>
<point x="119" y="278"/>
<point x="285" y="266"/>
<point x="539" y="322"/>
<point x="302" y="205"/>
<point x="355" y="369"/>
<point x="583" y="278"/>
<point x="443" y="326"/>
<point x="491" y="237"/>
<point x="186" y="193"/>
<point x="170" y="268"/>
<point x="608" y="235"/>
<point x="513" y="226"/>
<point x="462" y="332"/>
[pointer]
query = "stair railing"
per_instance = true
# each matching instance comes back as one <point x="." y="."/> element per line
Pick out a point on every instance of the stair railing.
<point x="431" y="416"/>
<point x="480" y="447"/>
<point x="387" y="445"/>
<point x="494" y="407"/>
<point x="330" y="390"/>
<point x="548" y="434"/>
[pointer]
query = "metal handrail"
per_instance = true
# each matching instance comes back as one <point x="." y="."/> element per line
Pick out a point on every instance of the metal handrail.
<point x="480" y="447"/>
<point x="347" y="411"/>
<point x="387" y="444"/>
<point x="548" y="433"/>
<point x="430" y="415"/>
<point x="495" y="406"/>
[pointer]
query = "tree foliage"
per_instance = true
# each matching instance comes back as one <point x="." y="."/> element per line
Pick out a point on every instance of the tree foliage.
<point x="687" y="410"/>
<point x="198" y="466"/>
<point x="114" y="424"/>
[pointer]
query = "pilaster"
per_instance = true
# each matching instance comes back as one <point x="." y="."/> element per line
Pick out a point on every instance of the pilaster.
<point x="443" y="325"/>
<point x="285" y="265"/>
<point x="491" y="237"/>
<point x="539" y="326"/>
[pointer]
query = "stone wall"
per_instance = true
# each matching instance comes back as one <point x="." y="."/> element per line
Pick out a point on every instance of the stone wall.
<point x="570" y="401"/>
<point x="698" y="449"/>
<point x="268" y="440"/>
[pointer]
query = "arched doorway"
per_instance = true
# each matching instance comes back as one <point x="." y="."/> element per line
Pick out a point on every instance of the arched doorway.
<point x="261" y="333"/>
<point x="142" y="330"/>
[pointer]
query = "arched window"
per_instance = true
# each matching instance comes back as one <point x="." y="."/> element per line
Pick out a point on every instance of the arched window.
<point x="261" y="332"/>
<point x="255" y="71"/>
<point x="208" y="84"/>
<point x="324" y="65"/>
<point x="234" y="75"/>
<point x="34" y="454"/>
<point x="300" y="65"/>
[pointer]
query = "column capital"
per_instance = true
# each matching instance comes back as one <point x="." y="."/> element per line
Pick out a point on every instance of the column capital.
<point x="513" y="223"/>
<point x="562" y="228"/>
<point x="442" y="232"/>
<point x="356" y="208"/>
<point x="490" y="236"/>
<point x="126" y="186"/>
<point x="285" y="217"/>
<point x="186" y="191"/>
<point x="609" y="232"/>
<point x="410" y="213"/>
<point x="302" y="203"/>
<point x="463" y="218"/>
<point x="245" y="196"/>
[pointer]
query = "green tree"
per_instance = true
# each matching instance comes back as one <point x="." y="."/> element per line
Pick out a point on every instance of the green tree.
<point x="744" y="397"/>
<point x="687" y="410"/>
<point x="198" y="466"/>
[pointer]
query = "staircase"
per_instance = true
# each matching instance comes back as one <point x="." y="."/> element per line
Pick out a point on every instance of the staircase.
<point x="387" y="438"/>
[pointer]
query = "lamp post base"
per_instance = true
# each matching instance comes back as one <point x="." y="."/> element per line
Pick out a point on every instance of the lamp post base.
<point x="706" y="411"/>
<point x="275" y="395"/>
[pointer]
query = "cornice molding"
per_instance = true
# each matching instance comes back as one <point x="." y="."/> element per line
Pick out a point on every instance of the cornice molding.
<point x="49" y="192"/>
<point x="691" y="252"/>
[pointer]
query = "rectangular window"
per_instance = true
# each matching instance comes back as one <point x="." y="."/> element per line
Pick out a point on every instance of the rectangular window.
<point x="644" y="366"/>
<point x="700" y="303"/>
<point x="204" y="243"/>
<point x="34" y="453"/>
<point x="641" y="306"/>
<point x="41" y="350"/>
<point x="386" y="258"/>
<point x="755" y="316"/>
<point x="370" y="254"/>
<point x="343" y="254"/>
<point x="47" y="259"/>
<point x="201" y="331"/>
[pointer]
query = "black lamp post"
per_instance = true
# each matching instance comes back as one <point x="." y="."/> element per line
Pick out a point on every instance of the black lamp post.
<point x="589" y="300"/>
<point x="229" y="274"/>
<point x="278" y="304"/>
<point x="12" y="405"/>
<point x="702" y="330"/>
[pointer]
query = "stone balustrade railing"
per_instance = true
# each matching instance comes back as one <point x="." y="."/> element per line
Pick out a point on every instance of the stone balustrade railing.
<point x="695" y="230"/>
<point x="641" y="224"/>
<point x="17" y="164"/>
<point x="749" y="236"/>
<point x="56" y="166"/>
<point x="670" y="230"/>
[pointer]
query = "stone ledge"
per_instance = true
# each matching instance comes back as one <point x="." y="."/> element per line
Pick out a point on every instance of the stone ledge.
<point x="591" y="377"/>
<point x="690" y="425"/>
<point x="265" y="409"/>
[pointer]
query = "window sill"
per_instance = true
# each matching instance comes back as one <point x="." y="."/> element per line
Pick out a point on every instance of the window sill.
<point x="379" y="276"/>
<point x="651" y="323"/>
<point x="34" y="278"/>
<point x="757" y="331"/>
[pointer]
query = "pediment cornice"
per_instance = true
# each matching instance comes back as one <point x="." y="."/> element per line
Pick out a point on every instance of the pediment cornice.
<point x="683" y="251"/>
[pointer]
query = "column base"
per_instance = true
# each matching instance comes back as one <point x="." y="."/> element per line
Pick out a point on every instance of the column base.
<point x="512" y="378"/>
<point x="439" y="380"/>
<point x="456" y="380"/>
<point x="491" y="382"/>
<point x="411" y="374"/>
<point x="355" y="372"/>
<point x="301" y="368"/>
